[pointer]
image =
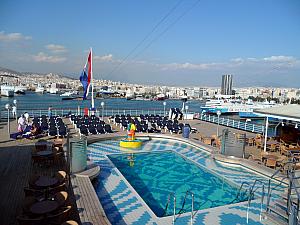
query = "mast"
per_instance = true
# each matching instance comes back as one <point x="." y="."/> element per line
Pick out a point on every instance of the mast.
<point x="92" y="83"/>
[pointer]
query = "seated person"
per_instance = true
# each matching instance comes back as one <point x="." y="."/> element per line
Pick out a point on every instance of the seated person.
<point x="35" y="130"/>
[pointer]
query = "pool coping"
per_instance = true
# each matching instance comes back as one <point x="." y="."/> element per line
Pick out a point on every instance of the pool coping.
<point x="255" y="168"/>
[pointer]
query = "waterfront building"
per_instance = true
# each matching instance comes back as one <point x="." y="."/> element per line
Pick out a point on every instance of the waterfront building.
<point x="226" y="88"/>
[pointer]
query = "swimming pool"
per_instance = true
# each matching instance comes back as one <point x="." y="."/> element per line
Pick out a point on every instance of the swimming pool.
<point x="123" y="204"/>
<point x="157" y="174"/>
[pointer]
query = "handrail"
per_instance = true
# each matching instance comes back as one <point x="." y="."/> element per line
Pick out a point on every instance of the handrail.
<point x="183" y="203"/>
<point x="269" y="183"/>
<point x="174" y="208"/>
<point x="192" y="210"/>
<point x="239" y="191"/>
<point x="251" y="195"/>
<point x="290" y="201"/>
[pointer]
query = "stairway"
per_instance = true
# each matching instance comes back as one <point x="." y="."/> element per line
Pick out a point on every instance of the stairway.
<point x="285" y="209"/>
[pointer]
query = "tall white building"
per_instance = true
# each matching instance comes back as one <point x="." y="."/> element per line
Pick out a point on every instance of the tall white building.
<point x="226" y="88"/>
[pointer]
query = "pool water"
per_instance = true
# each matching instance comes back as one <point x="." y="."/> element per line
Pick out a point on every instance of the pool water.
<point x="155" y="175"/>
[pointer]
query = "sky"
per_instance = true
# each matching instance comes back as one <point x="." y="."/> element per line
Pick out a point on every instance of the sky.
<point x="169" y="42"/>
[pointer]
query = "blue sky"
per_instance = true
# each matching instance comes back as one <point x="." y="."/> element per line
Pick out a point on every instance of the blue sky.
<point x="257" y="41"/>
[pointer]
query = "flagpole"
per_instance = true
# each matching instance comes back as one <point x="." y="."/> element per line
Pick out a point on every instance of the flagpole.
<point x="92" y="80"/>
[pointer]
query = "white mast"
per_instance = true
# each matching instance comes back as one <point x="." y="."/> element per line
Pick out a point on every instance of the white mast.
<point x="92" y="83"/>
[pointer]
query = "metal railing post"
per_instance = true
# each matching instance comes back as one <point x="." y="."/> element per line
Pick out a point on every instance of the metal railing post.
<point x="174" y="209"/>
<point x="192" y="214"/>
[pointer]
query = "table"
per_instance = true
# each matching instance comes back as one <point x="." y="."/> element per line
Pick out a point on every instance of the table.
<point x="44" y="207"/>
<point x="45" y="181"/>
<point x="44" y="153"/>
<point x="269" y="156"/>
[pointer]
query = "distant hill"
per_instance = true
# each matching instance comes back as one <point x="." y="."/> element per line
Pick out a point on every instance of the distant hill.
<point x="16" y="73"/>
<point x="12" y="72"/>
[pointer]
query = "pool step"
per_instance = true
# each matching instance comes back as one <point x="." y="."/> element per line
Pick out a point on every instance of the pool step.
<point x="273" y="219"/>
<point x="279" y="211"/>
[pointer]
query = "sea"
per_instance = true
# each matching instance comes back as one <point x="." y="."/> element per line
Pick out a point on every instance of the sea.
<point x="35" y="101"/>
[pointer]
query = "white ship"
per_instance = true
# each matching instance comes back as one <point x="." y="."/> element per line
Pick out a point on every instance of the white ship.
<point x="39" y="89"/>
<point x="129" y="95"/>
<point x="68" y="93"/>
<point x="231" y="106"/>
<point x="7" y="91"/>
<point x="20" y="89"/>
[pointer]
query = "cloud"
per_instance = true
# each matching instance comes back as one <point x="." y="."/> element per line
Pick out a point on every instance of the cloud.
<point x="42" y="57"/>
<point x="279" y="58"/>
<point x="104" y="58"/>
<point x="56" y="48"/>
<point x="10" y="37"/>
<point x="188" y="66"/>
<point x="273" y="61"/>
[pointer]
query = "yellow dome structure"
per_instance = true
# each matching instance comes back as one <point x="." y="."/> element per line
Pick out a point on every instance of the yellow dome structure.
<point x="125" y="143"/>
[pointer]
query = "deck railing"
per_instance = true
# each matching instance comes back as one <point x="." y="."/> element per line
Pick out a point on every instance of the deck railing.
<point x="106" y="112"/>
<point x="228" y="122"/>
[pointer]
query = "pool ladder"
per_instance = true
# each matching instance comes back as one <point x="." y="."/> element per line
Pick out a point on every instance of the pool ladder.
<point x="174" y="208"/>
<point x="251" y="192"/>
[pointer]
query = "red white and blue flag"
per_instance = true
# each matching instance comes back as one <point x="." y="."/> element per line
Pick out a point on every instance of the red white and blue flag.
<point x="86" y="76"/>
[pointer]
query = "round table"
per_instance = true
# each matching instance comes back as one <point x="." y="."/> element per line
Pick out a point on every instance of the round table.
<point x="44" y="181"/>
<point x="44" y="153"/>
<point x="44" y="207"/>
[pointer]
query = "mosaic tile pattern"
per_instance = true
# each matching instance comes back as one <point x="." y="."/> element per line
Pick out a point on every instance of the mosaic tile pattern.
<point x="123" y="205"/>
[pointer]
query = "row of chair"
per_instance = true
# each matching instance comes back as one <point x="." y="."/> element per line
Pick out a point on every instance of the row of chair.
<point x="149" y="123"/>
<point x="90" y="125"/>
<point x="53" y="125"/>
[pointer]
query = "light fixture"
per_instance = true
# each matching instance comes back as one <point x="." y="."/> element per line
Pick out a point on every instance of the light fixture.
<point x="296" y="126"/>
<point x="282" y="124"/>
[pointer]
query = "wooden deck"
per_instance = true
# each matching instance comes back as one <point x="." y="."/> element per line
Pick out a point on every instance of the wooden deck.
<point x="15" y="170"/>
<point x="89" y="207"/>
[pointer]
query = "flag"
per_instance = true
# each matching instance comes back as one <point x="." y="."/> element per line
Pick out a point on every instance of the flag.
<point x="86" y="76"/>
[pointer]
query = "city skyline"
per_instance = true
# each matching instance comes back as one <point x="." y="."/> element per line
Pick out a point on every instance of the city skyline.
<point x="171" y="42"/>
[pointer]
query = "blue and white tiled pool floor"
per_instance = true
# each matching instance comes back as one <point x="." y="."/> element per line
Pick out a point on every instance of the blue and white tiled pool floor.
<point x="123" y="205"/>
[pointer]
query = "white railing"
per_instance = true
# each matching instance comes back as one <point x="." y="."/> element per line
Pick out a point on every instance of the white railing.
<point x="106" y="112"/>
<point x="241" y="125"/>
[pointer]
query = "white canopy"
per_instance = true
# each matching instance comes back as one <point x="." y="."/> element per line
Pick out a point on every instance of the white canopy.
<point x="283" y="112"/>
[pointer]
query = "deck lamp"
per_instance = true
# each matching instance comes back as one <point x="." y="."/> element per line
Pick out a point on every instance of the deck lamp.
<point x="296" y="126"/>
<point x="186" y="110"/>
<point x="282" y="124"/>
<point x="102" y="105"/>
<point x="218" y="114"/>
<point x="8" y="107"/>
<point x="164" y="103"/>
<point x="15" y="101"/>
